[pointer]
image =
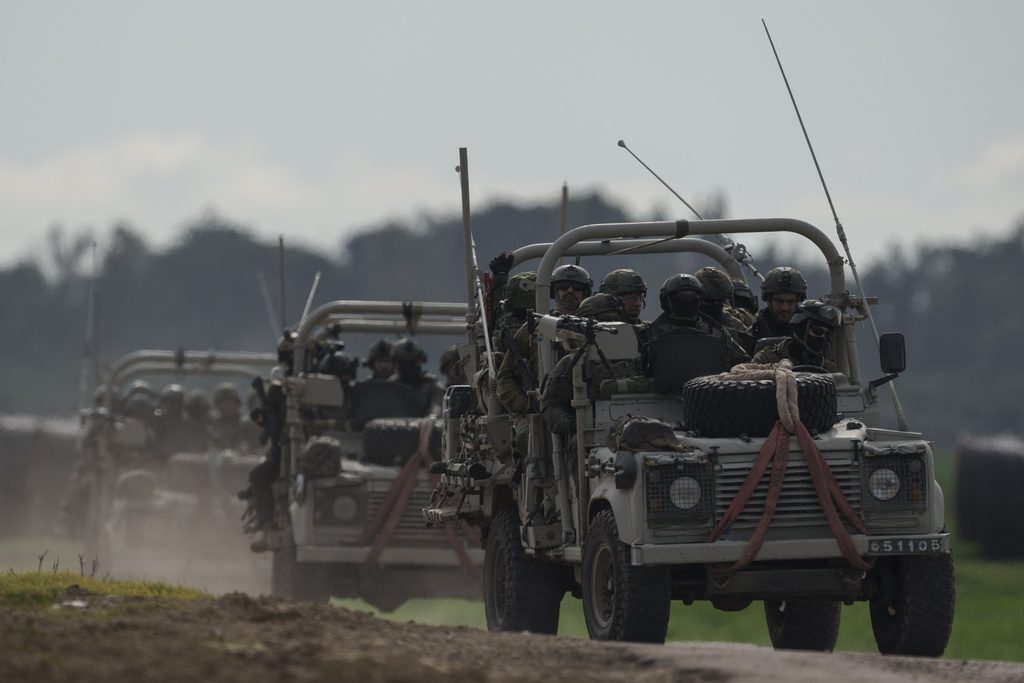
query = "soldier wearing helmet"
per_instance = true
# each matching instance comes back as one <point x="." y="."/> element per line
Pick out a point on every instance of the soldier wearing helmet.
<point x="718" y="291"/>
<point x="379" y="359"/>
<point x="813" y="325"/>
<point x="744" y="306"/>
<point x="680" y="298"/>
<point x="627" y="284"/>
<point x="451" y="367"/>
<point x="197" y="420"/>
<point x="171" y="426"/>
<point x="570" y="284"/>
<point x="783" y="288"/>
<point x="602" y="377"/>
<point x="226" y="425"/>
<point x="409" y="359"/>
<point x="511" y="313"/>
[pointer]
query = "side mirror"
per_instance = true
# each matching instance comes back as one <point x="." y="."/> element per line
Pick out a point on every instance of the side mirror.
<point x="892" y="353"/>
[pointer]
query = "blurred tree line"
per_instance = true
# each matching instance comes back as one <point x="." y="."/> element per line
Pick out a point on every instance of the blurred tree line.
<point x="202" y="293"/>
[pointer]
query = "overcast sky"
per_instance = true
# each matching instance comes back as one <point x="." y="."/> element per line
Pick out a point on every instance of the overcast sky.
<point x="315" y="118"/>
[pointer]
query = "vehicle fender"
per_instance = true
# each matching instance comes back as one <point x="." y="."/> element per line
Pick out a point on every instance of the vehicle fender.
<point x="622" y="503"/>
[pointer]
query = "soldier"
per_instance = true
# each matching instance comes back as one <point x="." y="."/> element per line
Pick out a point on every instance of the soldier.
<point x="197" y="421"/>
<point x="451" y="367"/>
<point x="569" y="286"/>
<point x="783" y="288"/>
<point x="718" y="291"/>
<point x="409" y="358"/>
<point x="226" y="427"/>
<point x="744" y="306"/>
<point x="556" y="403"/>
<point x="680" y="298"/>
<point x="170" y="426"/>
<point x="511" y="313"/>
<point x="812" y="328"/>
<point x="380" y="361"/>
<point x="628" y="285"/>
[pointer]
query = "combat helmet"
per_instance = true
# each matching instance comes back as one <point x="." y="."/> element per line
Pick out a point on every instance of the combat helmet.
<point x="784" y="279"/>
<point x="572" y="275"/>
<point x="600" y="304"/>
<point x="519" y="290"/>
<point x="139" y="386"/>
<point x="680" y="296"/>
<point x="406" y="349"/>
<point x="172" y="394"/>
<point x="226" y="391"/>
<point x="197" y="404"/>
<point x="743" y="296"/>
<point x="450" y="357"/>
<point x="623" y="281"/>
<point x="814" y="323"/>
<point x="379" y="349"/>
<point x="717" y="285"/>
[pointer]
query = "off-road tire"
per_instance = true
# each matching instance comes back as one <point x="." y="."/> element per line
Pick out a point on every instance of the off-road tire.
<point x="728" y="408"/>
<point x="294" y="580"/>
<point x="622" y="601"/>
<point x="391" y="441"/>
<point x="520" y="593"/>
<point x="803" y="624"/>
<point x="917" y="617"/>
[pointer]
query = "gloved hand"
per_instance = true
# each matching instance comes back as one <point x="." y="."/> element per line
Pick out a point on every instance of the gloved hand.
<point x="502" y="263"/>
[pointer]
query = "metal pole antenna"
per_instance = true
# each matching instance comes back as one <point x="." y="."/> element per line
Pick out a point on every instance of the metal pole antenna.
<point x="900" y="416"/>
<point x="564" y="213"/>
<point x="696" y="213"/>
<point x="269" y="305"/>
<point x="280" y="278"/>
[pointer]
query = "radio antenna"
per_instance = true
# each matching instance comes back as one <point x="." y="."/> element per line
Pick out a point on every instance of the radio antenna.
<point x="741" y="254"/>
<point x="900" y="417"/>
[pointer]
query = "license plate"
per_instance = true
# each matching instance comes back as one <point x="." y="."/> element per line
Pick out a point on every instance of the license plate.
<point x="904" y="546"/>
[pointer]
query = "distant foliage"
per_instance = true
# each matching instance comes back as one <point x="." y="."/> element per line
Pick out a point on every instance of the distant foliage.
<point x="955" y="303"/>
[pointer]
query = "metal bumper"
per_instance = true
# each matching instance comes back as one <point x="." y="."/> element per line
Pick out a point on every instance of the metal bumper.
<point x="797" y="549"/>
<point x="416" y="557"/>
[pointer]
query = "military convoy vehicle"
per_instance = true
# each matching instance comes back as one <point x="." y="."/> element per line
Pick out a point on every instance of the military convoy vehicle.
<point x="353" y="471"/>
<point x="157" y="506"/>
<point x="691" y="492"/>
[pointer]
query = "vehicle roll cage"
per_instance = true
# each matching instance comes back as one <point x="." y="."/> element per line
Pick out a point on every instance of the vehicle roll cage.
<point x="407" y="317"/>
<point x="196" y="363"/>
<point x="602" y="239"/>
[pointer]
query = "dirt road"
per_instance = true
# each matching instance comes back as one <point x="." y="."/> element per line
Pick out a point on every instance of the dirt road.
<point x="88" y="637"/>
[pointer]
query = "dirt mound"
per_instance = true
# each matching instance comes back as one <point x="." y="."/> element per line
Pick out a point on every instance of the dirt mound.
<point x="89" y="637"/>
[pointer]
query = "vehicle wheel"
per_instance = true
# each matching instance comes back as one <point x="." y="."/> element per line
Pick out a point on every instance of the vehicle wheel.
<point x="803" y="624"/>
<point x="294" y="580"/>
<point x="728" y="408"/>
<point x="913" y="615"/>
<point x="390" y="441"/>
<point x="520" y="594"/>
<point x="622" y="601"/>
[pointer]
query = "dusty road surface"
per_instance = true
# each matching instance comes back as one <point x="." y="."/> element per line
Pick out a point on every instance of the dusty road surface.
<point x="88" y="637"/>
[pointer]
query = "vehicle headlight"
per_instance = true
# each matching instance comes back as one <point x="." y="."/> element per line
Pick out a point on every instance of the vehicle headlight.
<point x="345" y="508"/>
<point x="685" y="493"/>
<point x="884" y="484"/>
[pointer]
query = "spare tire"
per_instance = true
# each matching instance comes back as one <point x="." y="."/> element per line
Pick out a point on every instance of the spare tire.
<point x="728" y="408"/>
<point x="391" y="441"/>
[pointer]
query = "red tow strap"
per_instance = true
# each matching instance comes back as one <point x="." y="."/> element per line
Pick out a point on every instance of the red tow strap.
<point x="830" y="496"/>
<point x="397" y="499"/>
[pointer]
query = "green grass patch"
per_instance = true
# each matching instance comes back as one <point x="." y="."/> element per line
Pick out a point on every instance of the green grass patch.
<point x="44" y="588"/>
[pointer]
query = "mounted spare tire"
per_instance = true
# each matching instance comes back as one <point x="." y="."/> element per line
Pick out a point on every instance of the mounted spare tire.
<point x="391" y="441"/>
<point x="728" y="408"/>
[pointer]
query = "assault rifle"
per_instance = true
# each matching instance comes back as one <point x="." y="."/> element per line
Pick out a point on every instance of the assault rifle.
<point x="266" y="415"/>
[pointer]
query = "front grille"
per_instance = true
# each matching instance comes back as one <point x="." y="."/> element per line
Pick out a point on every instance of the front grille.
<point x="658" y="492"/>
<point x="411" y="525"/>
<point x="798" y="503"/>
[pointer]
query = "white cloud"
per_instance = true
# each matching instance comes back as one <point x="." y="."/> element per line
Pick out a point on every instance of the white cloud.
<point x="157" y="182"/>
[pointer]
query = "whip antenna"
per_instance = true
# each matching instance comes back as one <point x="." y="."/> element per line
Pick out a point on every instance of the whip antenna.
<point x="900" y="417"/>
<point x="741" y="254"/>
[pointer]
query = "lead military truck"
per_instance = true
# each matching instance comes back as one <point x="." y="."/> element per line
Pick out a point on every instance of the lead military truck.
<point x="629" y="525"/>
<point x="354" y="477"/>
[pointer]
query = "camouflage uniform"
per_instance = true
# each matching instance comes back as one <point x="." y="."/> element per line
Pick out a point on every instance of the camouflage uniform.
<point x="510" y="387"/>
<point x="512" y="311"/>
